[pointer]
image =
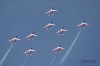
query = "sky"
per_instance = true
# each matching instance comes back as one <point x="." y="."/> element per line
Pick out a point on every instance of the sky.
<point x="22" y="17"/>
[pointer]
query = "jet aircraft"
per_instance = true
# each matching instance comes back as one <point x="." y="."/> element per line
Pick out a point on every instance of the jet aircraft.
<point x="58" y="49"/>
<point x="29" y="52"/>
<point x="51" y="11"/>
<point x="30" y="37"/>
<point x="82" y="25"/>
<point x="49" y="25"/>
<point x="61" y="31"/>
<point x="14" y="40"/>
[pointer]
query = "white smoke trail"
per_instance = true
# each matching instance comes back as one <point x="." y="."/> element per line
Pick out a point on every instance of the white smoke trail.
<point x="24" y="61"/>
<point x="52" y="61"/>
<point x="70" y="48"/>
<point x="5" y="56"/>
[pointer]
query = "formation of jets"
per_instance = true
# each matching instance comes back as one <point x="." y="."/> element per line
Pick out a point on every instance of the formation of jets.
<point x="51" y="11"/>
<point x="47" y="27"/>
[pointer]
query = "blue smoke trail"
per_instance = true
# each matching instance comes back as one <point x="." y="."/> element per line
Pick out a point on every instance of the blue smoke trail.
<point x="24" y="61"/>
<point x="5" y="56"/>
<point x="52" y="61"/>
<point x="70" y="48"/>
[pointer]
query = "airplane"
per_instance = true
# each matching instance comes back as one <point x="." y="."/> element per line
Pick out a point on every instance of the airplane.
<point x="51" y="11"/>
<point x="29" y="52"/>
<point x="49" y="25"/>
<point x="14" y="40"/>
<point x="82" y="25"/>
<point x="30" y="37"/>
<point x="61" y="31"/>
<point x="58" y="49"/>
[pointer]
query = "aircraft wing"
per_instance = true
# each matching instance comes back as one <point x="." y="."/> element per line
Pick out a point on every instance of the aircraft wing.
<point x="34" y="35"/>
<point x="48" y="12"/>
<point x="86" y="24"/>
<point x="55" y="49"/>
<point x="11" y="40"/>
<point x="33" y="50"/>
<point x="78" y="25"/>
<point x="61" y="48"/>
<point x="26" y="52"/>
<point x="58" y="31"/>
<point x="45" y="26"/>
<point x="54" y="10"/>
<point x="65" y="30"/>
<point x="28" y="36"/>
<point x="52" y="24"/>
<point x="18" y="39"/>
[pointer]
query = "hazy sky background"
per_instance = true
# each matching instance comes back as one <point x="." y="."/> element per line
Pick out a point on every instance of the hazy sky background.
<point x="22" y="17"/>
